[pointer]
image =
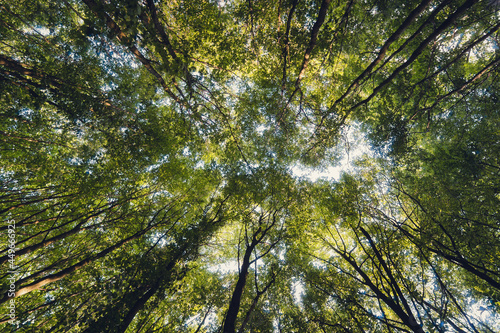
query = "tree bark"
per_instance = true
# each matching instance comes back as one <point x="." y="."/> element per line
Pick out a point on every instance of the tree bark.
<point x="449" y="21"/>
<point x="381" y="54"/>
<point x="234" y="305"/>
<point x="67" y="271"/>
<point x="122" y="37"/>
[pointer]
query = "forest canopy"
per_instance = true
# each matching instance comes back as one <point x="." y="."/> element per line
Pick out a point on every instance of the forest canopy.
<point x="148" y="157"/>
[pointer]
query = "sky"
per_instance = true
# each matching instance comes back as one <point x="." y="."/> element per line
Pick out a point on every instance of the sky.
<point x="352" y="147"/>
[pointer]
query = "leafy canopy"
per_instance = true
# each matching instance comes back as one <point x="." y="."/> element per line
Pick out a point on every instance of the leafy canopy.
<point x="148" y="152"/>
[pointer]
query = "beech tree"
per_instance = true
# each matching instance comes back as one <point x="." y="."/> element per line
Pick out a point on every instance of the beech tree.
<point x="149" y="152"/>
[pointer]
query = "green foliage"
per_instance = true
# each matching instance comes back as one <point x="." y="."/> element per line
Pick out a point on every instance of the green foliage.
<point x="147" y="155"/>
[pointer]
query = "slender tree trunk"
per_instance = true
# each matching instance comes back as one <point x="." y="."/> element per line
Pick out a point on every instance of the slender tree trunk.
<point x="465" y="264"/>
<point x="74" y="230"/>
<point x="234" y="305"/>
<point x="408" y="320"/>
<point x="150" y="293"/>
<point x="436" y="32"/>
<point x="137" y="307"/>
<point x="67" y="271"/>
<point x="122" y="37"/>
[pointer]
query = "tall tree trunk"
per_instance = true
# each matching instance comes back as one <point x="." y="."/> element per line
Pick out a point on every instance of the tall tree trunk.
<point x="150" y="293"/>
<point x="234" y="305"/>
<point x="65" y="272"/>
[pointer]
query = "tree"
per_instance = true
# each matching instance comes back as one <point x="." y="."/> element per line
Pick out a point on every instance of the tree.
<point x="148" y="149"/>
